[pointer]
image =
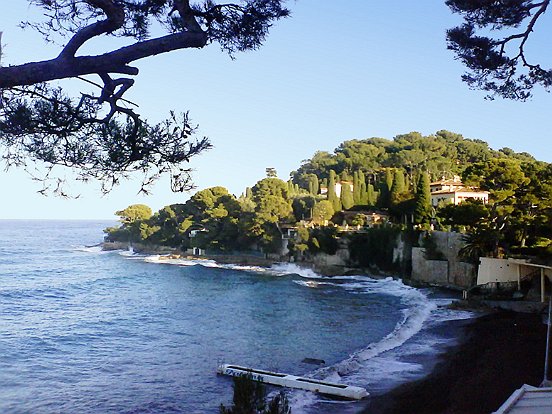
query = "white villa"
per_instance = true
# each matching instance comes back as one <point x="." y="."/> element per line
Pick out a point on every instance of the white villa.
<point x="455" y="192"/>
<point x="338" y="186"/>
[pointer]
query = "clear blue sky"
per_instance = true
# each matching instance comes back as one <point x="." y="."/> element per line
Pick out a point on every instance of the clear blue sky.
<point x="334" y="71"/>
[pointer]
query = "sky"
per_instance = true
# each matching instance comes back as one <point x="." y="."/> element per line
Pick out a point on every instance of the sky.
<point x="333" y="71"/>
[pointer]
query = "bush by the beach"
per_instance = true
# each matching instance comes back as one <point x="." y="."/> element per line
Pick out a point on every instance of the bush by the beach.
<point x="250" y="398"/>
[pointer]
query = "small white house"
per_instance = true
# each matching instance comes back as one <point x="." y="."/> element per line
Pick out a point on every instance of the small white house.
<point x="458" y="196"/>
<point x="493" y="270"/>
<point x="196" y="251"/>
<point x="455" y="192"/>
<point x="448" y="185"/>
<point x="195" y="232"/>
<point x="288" y="231"/>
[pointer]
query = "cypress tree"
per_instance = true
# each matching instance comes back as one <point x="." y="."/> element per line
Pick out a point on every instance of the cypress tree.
<point x="290" y="187"/>
<point x="398" y="186"/>
<point x="346" y="196"/>
<point x="313" y="184"/>
<point x="371" y="197"/>
<point x="422" y="210"/>
<point x="356" y="189"/>
<point x="337" y="204"/>
<point x="331" y="185"/>
<point x="332" y="196"/>
<point x="345" y="176"/>
<point x="408" y="183"/>
<point x="363" y="195"/>
<point x="384" y="199"/>
<point x="389" y="176"/>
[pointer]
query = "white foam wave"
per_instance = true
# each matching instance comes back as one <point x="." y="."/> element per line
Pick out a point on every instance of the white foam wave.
<point x="204" y="263"/>
<point x="300" y="401"/>
<point x="282" y="269"/>
<point x="152" y="259"/>
<point x="370" y="362"/>
<point x="418" y="311"/>
<point x="443" y="313"/>
<point x="279" y="269"/>
<point x="159" y="259"/>
<point x="388" y="362"/>
<point x="90" y="249"/>
<point x="424" y="346"/>
<point x="245" y="268"/>
<point x="129" y="252"/>
<point x="313" y="283"/>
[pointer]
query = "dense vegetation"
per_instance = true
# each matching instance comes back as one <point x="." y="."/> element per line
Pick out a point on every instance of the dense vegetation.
<point x="331" y="192"/>
<point x="214" y="219"/>
<point x="439" y="154"/>
<point x="250" y="398"/>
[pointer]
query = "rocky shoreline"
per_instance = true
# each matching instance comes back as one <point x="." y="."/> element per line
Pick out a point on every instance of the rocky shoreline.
<point x="243" y="259"/>
<point x="173" y="253"/>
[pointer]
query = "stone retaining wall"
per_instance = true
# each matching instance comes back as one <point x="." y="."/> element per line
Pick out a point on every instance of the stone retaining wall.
<point x="449" y="272"/>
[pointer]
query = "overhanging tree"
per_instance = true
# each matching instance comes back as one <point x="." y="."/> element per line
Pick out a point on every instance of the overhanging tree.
<point x="101" y="136"/>
<point x="499" y="64"/>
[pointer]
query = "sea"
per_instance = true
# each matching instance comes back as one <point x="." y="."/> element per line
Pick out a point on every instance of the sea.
<point x="89" y="331"/>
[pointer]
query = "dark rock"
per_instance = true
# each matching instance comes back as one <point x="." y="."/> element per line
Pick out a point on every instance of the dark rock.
<point x="313" y="361"/>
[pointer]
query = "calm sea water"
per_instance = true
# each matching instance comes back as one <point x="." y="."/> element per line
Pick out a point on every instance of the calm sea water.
<point x="87" y="331"/>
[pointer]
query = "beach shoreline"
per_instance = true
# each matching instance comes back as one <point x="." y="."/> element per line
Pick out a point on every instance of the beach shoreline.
<point x="496" y="354"/>
<point x="492" y="356"/>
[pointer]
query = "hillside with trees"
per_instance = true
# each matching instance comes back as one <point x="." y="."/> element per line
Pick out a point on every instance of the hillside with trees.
<point x="338" y="192"/>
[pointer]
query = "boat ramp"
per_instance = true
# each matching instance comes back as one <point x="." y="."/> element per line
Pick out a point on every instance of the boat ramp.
<point x="292" y="381"/>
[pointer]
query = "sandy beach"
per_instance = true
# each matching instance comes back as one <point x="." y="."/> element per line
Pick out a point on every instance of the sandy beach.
<point x="497" y="354"/>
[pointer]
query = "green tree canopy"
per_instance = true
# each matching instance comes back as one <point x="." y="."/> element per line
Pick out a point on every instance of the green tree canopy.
<point x="444" y="153"/>
<point x="398" y="187"/>
<point x="468" y="214"/>
<point x="501" y="177"/>
<point x="133" y="213"/>
<point x="302" y="207"/>
<point x="270" y="186"/>
<point x="272" y="205"/>
<point x="217" y="212"/>
<point x="168" y="226"/>
<point x="322" y="211"/>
